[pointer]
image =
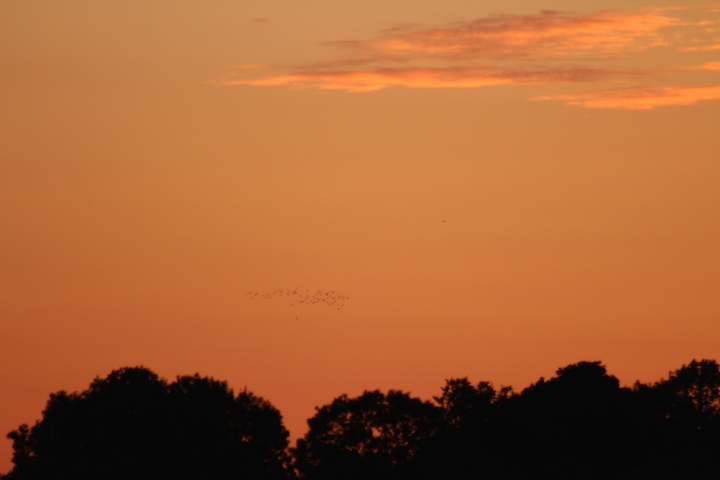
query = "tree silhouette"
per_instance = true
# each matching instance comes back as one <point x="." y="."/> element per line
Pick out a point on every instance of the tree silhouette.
<point x="110" y="429"/>
<point x="372" y="436"/>
<point x="578" y="424"/>
<point x="581" y="424"/>
<point x="688" y="402"/>
<point x="218" y="435"/>
<point x="466" y="406"/>
<point x="691" y="394"/>
<point x="462" y="446"/>
<point x="133" y="425"/>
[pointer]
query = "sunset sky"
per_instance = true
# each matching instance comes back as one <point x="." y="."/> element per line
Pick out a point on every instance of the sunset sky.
<point x="310" y="198"/>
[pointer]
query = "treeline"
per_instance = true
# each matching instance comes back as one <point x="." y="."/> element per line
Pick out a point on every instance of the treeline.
<point x="580" y="424"/>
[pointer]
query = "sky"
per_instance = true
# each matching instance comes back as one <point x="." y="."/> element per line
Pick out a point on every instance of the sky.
<point x="310" y="198"/>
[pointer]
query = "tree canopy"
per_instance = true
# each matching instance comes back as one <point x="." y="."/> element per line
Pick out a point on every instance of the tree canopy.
<point x="134" y="425"/>
<point x="581" y="423"/>
<point x="374" y="435"/>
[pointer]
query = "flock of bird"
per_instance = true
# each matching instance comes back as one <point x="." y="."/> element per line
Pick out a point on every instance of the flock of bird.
<point x="327" y="297"/>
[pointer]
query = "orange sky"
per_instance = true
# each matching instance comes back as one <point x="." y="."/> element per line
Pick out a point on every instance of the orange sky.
<point x="499" y="192"/>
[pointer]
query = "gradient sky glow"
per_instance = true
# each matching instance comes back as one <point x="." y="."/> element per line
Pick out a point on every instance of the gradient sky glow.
<point x="498" y="191"/>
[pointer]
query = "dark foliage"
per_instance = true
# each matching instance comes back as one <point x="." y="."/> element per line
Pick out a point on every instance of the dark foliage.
<point x="133" y="425"/>
<point x="580" y="424"/>
<point x="373" y="436"/>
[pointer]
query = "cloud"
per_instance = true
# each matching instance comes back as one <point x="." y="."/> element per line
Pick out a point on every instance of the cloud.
<point x="638" y="98"/>
<point x="547" y="34"/>
<point x="447" y="77"/>
<point x="704" y="48"/>
<point x="550" y="47"/>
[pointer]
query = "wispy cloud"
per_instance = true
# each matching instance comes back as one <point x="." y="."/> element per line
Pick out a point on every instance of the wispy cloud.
<point x="550" y="47"/>
<point x="703" y="48"/>
<point x="639" y="98"/>
<point x="547" y="34"/>
<point x="416" y="77"/>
